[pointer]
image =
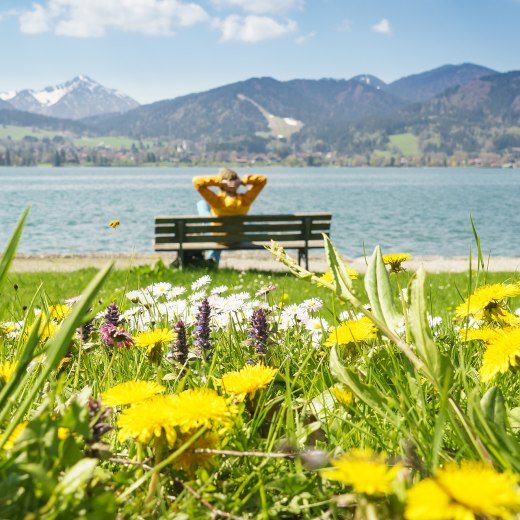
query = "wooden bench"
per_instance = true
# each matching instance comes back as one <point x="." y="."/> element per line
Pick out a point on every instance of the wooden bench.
<point x="188" y="233"/>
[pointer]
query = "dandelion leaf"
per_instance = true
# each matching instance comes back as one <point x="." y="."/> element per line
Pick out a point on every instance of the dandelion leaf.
<point x="379" y="291"/>
<point x="438" y="364"/>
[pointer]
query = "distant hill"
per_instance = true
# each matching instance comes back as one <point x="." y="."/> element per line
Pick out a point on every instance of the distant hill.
<point x="424" y="86"/>
<point x="246" y="108"/>
<point x="27" y="119"/>
<point x="81" y="97"/>
<point x="370" y="80"/>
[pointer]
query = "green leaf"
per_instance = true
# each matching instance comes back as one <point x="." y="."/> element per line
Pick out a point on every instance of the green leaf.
<point x="367" y="393"/>
<point x="10" y="250"/>
<point x="514" y="418"/>
<point x="379" y="291"/>
<point x="55" y="349"/>
<point x="338" y="270"/>
<point x="438" y="365"/>
<point x="76" y="477"/>
<point x="494" y="408"/>
<point x="480" y="258"/>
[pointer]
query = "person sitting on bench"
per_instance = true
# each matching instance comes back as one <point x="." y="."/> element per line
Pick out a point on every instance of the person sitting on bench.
<point x="228" y="200"/>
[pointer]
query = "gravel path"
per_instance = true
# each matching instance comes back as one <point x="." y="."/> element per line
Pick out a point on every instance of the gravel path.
<point x="243" y="260"/>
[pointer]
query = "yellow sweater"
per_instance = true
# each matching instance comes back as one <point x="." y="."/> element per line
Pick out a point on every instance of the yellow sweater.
<point x="223" y="205"/>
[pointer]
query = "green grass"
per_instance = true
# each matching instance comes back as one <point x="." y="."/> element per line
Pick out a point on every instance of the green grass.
<point x="408" y="144"/>
<point x="111" y="141"/>
<point x="445" y="290"/>
<point x="17" y="133"/>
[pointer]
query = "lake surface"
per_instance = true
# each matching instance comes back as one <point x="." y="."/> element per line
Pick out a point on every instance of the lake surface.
<point x="421" y="211"/>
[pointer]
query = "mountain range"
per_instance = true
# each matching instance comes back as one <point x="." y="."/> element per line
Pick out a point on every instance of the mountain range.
<point x="454" y="107"/>
<point x="75" y="99"/>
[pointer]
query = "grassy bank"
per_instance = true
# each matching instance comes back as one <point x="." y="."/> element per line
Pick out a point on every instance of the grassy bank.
<point x="444" y="291"/>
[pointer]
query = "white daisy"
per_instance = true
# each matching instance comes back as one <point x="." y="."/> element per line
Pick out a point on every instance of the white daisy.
<point x="201" y="282"/>
<point x="312" y="304"/>
<point x="197" y="296"/>
<point x="220" y="289"/>
<point x="176" y="291"/>
<point x="133" y="296"/>
<point x="160" y="288"/>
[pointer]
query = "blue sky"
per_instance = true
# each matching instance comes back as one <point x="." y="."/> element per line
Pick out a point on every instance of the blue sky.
<point x="158" y="49"/>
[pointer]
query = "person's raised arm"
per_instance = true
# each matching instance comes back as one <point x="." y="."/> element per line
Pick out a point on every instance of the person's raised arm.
<point x="256" y="183"/>
<point x="203" y="184"/>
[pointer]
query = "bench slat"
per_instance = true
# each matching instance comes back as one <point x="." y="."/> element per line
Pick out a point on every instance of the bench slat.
<point x="245" y="246"/>
<point x="245" y="218"/>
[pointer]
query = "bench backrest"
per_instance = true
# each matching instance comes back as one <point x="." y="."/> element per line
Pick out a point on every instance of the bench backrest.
<point x="247" y="228"/>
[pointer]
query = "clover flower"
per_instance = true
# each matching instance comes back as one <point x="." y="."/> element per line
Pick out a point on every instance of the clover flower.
<point x="113" y="336"/>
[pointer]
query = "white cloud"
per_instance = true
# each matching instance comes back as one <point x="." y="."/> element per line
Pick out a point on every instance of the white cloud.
<point x="304" y="38"/>
<point x="382" y="27"/>
<point x="261" y="6"/>
<point x="92" y="18"/>
<point x="253" y="29"/>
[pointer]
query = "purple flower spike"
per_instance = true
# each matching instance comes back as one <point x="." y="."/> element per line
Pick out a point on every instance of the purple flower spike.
<point x="259" y="332"/>
<point x="202" y="330"/>
<point x="180" y="345"/>
<point x="112" y="314"/>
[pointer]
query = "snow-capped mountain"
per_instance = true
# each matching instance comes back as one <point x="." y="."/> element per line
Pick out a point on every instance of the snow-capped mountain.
<point x="372" y="81"/>
<point x="81" y="97"/>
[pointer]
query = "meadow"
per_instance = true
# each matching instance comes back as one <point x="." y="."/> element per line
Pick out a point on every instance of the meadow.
<point x="220" y="394"/>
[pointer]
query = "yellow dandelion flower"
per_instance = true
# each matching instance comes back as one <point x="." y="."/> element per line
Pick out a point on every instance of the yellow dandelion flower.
<point x="471" y="490"/>
<point x="486" y="299"/>
<point x="148" y="419"/>
<point x="485" y="334"/>
<point x="327" y="276"/>
<point x="14" y="436"/>
<point x="154" y="338"/>
<point x="343" y="396"/>
<point x="395" y="260"/>
<point x="131" y="392"/>
<point x="202" y="407"/>
<point x="190" y="460"/>
<point x="502" y="354"/>
<point x="427" y="501"/>
<point x="59" y="311"/>
<point x="7" y="369"/>
<point x="352" y="331"/>
<point x="247" y="380"/>
<point x="63" y="433"/>
<point x="365" y="471"/>
<point x="114" y="224"/>
<point x="47" y="329"/>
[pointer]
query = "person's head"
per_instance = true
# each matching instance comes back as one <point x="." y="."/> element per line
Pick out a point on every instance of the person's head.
<point x="230" y="180"/>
